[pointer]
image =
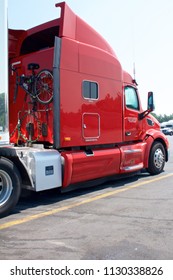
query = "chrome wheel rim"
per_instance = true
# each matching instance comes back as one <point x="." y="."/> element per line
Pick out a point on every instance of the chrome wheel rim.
<point x="158" y="158"/>
<point x="6" y="187"/>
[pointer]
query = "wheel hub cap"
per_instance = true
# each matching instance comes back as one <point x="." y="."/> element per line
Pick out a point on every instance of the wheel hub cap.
<point x="5" y="187"/>
<point x="158" y="158"/>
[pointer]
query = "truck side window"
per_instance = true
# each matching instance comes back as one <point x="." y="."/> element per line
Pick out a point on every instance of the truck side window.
<point x="90" y="90"/>
<point x="131" y="98"/>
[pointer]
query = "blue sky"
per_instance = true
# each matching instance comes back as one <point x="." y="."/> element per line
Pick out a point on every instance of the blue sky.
<point x="139" y="31"/>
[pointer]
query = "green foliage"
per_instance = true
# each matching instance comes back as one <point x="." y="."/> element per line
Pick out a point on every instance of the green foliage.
<point x="2" y="109"/>
<point x="163" y="118"/>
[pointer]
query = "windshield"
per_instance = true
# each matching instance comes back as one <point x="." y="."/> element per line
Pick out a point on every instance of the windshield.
<point x="4" y="136"/>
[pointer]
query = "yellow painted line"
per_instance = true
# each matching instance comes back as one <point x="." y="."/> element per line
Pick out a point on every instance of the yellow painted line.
<point x="85" y="201"/>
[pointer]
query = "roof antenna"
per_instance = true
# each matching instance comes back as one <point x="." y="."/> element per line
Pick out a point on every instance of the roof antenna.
<point x="133" y="53"/>
<point x="134" y="70"/>
<point x="134" y="74"/>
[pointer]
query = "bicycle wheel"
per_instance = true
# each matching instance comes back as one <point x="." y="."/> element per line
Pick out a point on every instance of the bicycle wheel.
<point x="44" y="86"/>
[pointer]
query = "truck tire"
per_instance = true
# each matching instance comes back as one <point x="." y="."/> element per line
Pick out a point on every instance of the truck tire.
<point x="156" y="159"/>
<point x="10" y="186"/>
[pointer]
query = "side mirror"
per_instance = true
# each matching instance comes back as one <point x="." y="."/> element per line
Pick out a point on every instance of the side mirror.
<point x="151" y="105"/>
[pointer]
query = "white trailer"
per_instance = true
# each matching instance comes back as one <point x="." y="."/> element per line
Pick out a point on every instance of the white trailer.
<point x="4" y="133"/>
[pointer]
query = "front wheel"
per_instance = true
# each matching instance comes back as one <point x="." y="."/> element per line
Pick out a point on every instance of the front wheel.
<point x="156" y="159"/>
<point x="10" y="186"/>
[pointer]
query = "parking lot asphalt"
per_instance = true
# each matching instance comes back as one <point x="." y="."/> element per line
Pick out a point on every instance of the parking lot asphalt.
<point x="125" y="219"/>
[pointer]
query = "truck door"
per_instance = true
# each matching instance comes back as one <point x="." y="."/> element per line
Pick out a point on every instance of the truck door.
<point x="132" y="125"/>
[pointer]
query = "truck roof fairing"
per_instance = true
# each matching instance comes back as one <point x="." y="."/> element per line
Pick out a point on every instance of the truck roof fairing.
<point x="67" y="25"/>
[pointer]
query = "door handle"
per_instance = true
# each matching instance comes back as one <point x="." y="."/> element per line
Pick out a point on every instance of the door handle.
<point x="128" y="133"/>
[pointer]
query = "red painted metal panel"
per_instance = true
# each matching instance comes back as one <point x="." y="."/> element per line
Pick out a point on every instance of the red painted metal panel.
<point x="73" y="105"/>
<point x="74" y="27"/>
<point x="80" y="167"/>
<point x="87" y="35"/>
<point x="132" y="157"/>
<point x="69" y="55"/>
<point x="97" y="62"/>
<point x="68" y="21"/>
<point x="91" y="126"/>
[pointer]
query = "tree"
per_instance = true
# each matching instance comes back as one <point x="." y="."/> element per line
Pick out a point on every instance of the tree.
<point x="2" y="109"/>
<point x="163" y="118"/>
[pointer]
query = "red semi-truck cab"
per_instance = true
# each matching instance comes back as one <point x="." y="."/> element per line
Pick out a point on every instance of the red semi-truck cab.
<point x="74" y="113"/>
